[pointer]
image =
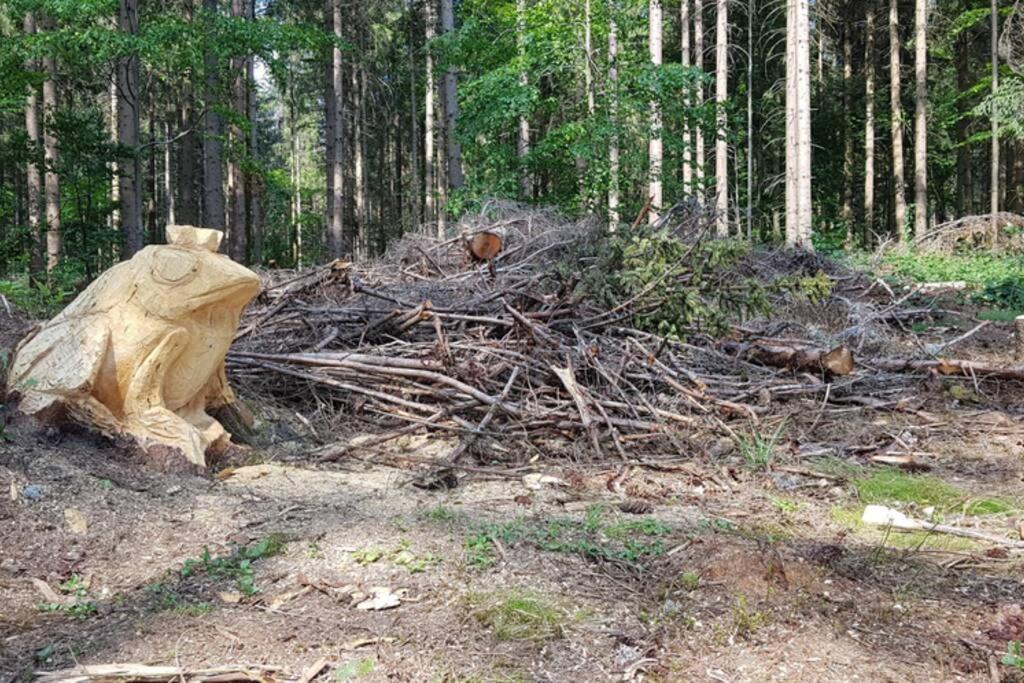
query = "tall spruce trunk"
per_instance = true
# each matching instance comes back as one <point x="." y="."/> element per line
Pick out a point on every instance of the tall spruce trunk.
<point x="335" y="223"/>
<point x="846" y="211"/>
<point x="414" y="160"/>
<point x="33" y="175"/>
<point x="51" y="181"/>
<point x="896" y="132"/>
<point x="254" y="182"/>
<point x="523" y="135"/>
<point x="803" y="106"/>
<point x="994" y="171"/>
<point x="130" y="165"/>
<point x="456" y="179"/>
<point x="654" y="151"/>
<point x="869" y="122"/>
<point x="429" y="132"/>
<point x="920" y="117"/>
<point x="613" y="115"/>
<point x="213" y="146"/>
<point x="684" y="51"/>
<point x="721" y="95"/>
<point x="238" y="238"/>
<point x="698" y="132"/>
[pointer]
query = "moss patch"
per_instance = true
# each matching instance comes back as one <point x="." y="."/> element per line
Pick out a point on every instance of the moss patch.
<point x="892" y="486"/>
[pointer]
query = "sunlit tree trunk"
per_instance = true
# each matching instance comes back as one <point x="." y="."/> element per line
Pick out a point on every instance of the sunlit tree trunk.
<point x="414" y="162"/>
<point x="33" y="180"/>
<point x="846" y="211"/>
<point x="523" y="137"/>
<point x="721" y="144"/>
<point x="51" y="181"/>
<point x="869" y="121"/>
<point x="238" y="239"/>
<point x="751" y="13"/>
<point x="451" y="107"/>
<point x="994" y="182"/>
<point x="798" y="120"/>
<point x="698" y="133"/>
<point x="613" y="145"/>
<point x="336" y="222"/>
<point x="254" y="182"/>
<point x="429" y="133"/>
<point x="654" y="146"/>
<point x="896" y="106"/>
<point x="213" y="147"/>
<point x="684" y="37"/>
<point x="920" y="118"/>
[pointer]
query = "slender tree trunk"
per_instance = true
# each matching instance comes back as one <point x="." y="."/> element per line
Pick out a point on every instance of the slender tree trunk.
<point x="188" y="162"/>
<point x="51" y="181"/>
<point x="430" y="213"/>
<point x="213" y="144"/>
<point x="721" y="144"/>
<point x="255" y="180"/>
<point x="33" y="177"/>
<point x="359" y="160"/>
<point x="846" y="212"/>
<point x="792" y="207"/>
<point x="751" y="13"/>
<point x="613" y="115"/>
<point x="170" y="202"/>
<point x="654" y="143"/>
<point x="414" y="159"/>
<point x="920" y="117"/>
<point x="523" y="138"/>
<point x="684" y="50"/>
<point x="698" y="132"/>
<point x="964" y="164"/>
<point x="994" y="174"/>
<point x="335" y="229"/>
<point x="588" y="57"/>
<point x="869" y="121"/>
<point x="896" y="106"/>
<point x="115" y="181"/>
<point x="803" y="107"/>
<point x="451" y="106"/>
<point x="238" y="239"/>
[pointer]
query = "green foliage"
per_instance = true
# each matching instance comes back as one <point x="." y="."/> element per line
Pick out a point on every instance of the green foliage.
<point x="238" y="565"/>
<point x="889" y="485"/>
<point x="1013" y="657"/>
<point x="522" y="615"/>
<point x="998" y="278"/>
<point x="675" y="288"/>
<point x="757" y="448"/>
<point x="80" y="608"/>
<point x="357" y="668"/>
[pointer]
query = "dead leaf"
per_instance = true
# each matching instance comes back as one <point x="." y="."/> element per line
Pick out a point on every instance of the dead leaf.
<point x="313" y="671"/>
<point x="363" y="642"/>
<point x="383" y="598"/>
<point x="278" y="600"/>
<point x="230" y="598"/>
<point x="225" y="473"/>
<point x="76" y="521"/>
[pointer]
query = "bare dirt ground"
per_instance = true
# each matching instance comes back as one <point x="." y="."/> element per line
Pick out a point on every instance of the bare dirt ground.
<point x="735" y="559"/>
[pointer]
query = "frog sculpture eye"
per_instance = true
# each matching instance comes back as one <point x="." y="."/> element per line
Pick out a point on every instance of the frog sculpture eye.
<point x="175" y="267"/>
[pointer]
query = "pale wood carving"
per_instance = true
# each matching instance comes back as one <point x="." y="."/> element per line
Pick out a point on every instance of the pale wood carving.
<point x="141" y="351"/>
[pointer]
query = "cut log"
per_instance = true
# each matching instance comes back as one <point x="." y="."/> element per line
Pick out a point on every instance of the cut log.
<point x="837" y="361"/>
<point x="486" y="244"/>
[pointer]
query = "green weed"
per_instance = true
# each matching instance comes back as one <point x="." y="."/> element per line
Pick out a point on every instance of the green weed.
<point x="354" y="669"/>
<point x="1013" y="657"/>
<point x="518" y="615"/>
<point x="747" y="621"/>
<point x="892" y="486"/>
<point x="237" y="565"/>
<point x="81" y="608"/>
<point x="690" y="581"/>
<point x="757" y="449"/>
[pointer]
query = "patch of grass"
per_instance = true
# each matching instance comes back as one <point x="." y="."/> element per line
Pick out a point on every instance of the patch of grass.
<point x="515" y="614"/>
<point x="920" y="540"/>
<point x="690" y="581"/>
<point x="194" y="609"/>
<point x="355" y="669"/>
<point x="987" y="506"/>
<point x="626" y="541"/>
<point x="837" y="467"/>
<point x="1013" y="657"/>
<point x="889" y="485"/>
<point x="440" y="514"/>
<point x="238" y="564"/>
<point x="747" y="621"/>
<point x="757" y="449"/>
<point x="849" y="518"/>
<point x="785" y="506"/>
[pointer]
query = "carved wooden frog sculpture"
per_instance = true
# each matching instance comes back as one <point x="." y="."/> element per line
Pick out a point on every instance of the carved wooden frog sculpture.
<point x="141" y="351"/>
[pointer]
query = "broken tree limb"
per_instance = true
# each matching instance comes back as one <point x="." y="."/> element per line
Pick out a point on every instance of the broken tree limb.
<point x="949" y="366"/>
<point x="155" y="674"/>
<point x="837" y="361"/>
<point x="880" y="515"/>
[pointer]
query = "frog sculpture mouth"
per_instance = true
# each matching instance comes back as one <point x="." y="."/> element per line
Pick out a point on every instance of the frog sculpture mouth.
<point x="140" y="352"/>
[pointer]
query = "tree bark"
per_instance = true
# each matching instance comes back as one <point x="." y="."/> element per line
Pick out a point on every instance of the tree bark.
<point x="33" y="176"/>
<point x="523" y="138"/>
<point x="684" y="49"/>
<point x="846" y="212"/>
<point x="798" y="126"/>
<point x="698" y="132"/>
<point x="130" y="165"/>
<point x="213" y="144"/>
<point x="456" y="179"/>
<point x="721" y="144"/>
<point x="920" y="118"/>
<point x="654" y="142"/>
<point x="238" y="238"/>
<point x="414" y="159"/>
<point x="335" y="230"/>
<point x="869" y="121"/>
<point x="613" y="114"/>
<point x="994" y="173"/>
<point x="254" y="181"/>
<point x="51" y="181"/>
<point x="896" y="107"/>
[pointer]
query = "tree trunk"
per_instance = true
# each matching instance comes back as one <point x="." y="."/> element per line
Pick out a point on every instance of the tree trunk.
<point x="964" y="164"/>
<point x="654" y="144"/>
<point x="869" y="122"/>
<point x="130" y="165"/>
<point x="430" y="212"/>
<point x="896" y="106"/>
<point x="698" y="132"/>
<point x="721" y="144"/>
<point x="994" y="174"/>
<point x="238" y="239"/>
<point x="920" y="118"/>
<point x="523" y="138"/>
<point x="792" y="208"/>
<point x="684" y="36"/>
<point x="414" y="159"/>
<point x="613" y="114"/>
<point x="751" y="13"/>
<point x="213" y="146"/>
<point x="33" y="177"/>
<point x="335" y="228"/>
<point x="451" y="106"/>
<point x="255" y="180"/>
<point x="51" y="181"/>
<point x="803" y="50"/>
<point x="359" y="159"/>
<point x="170" y="202"/>
<point x="846" y="211"/>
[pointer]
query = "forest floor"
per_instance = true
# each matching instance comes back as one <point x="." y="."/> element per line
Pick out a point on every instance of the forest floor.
<point x="746" y="562"/>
